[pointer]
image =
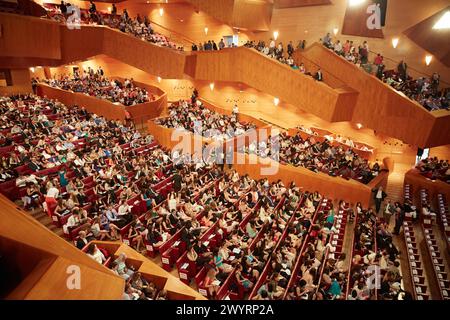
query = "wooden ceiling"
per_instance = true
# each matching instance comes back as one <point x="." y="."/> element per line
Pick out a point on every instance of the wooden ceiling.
<point x="435" y="41"/>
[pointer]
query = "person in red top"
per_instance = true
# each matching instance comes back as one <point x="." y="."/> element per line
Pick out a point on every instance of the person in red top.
<point x="378" y="60"/>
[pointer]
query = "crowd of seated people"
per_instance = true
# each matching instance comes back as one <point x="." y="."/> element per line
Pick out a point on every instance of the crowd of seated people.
<point x="374" y="251"/>
<point x="315" y="156"/>
<point x="95" y="177"/>
<point x="194" y="116"/>
<point x="95" y="84"/>
<point x="435" y="169"/>
<point x="312" y="284"/>
<point x="139" y="27"/>
<point x="298" y="217"/>
<point x="137" y="287"/>
<point x="424" y="90"/>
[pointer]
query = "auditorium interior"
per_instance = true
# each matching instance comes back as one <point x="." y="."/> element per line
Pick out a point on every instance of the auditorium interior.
<point x="225" y="150"/>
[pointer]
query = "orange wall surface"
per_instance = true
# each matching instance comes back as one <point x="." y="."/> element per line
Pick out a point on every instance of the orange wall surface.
<point x="254" y="15"/>
<point x="97" y="281"/>
<point x="268" y="75"/>
<point x="313" y="22"/>
<point x="21" y="83"/>
<point x="30" y="37"/>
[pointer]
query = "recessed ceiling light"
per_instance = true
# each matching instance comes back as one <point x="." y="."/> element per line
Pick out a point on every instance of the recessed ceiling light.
<point x="444" y="21"/>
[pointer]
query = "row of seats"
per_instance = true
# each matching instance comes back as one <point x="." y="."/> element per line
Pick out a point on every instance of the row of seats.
<point x="224" y="288"/>
<point x="415" y="264"/>
<point x="444" y="217"/>
<point x="438" y="263"/>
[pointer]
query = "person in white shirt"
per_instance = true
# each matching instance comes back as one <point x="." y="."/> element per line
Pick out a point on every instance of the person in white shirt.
<point x="50" y="199"/>
<point x="96" y="254"/>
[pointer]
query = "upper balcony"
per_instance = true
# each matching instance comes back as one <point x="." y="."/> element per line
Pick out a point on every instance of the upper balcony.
<point x="382" y="108"/>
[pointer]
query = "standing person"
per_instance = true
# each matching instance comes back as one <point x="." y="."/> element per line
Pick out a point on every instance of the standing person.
<point x="388" y="211"/>
<point x="63" y="8"/>
<point x="318" y="76"/>
<point x="378" y="196"/>
<point x="50" y="199"/>
<point x="114" y="10"/>
<point x="177" y="181"/>
<point x="402" y="69"/>
<point x="221" y="44"/>
<point x="290" y="49"/>
<point x="399" y="217"/>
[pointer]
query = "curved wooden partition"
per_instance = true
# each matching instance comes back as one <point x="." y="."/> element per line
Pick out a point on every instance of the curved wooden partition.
<point x="265" y="74"/>
<point x="418" y="181"/>
<point x="382" y="108"/>
<point x="331" y="187"/>
<point x="89" y="41"/>
<point x="140" y="113"/>
<point x="46" y="42"/>
<point x="42" y="258"/>
<point x="100" y="107"/>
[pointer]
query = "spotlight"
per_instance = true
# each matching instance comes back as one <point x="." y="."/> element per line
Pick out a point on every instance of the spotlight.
<point x="275" y="35"/>
<point x="276" y="101"/>
<point x="211" y="86"/>
<point x="428" y="59"/>
<point x="395" y="42"/>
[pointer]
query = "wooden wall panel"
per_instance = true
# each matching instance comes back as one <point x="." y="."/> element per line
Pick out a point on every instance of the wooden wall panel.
<point x="35" y="235"/>
<point x="281" y="4"/>
<point x="355" y="22"/>
<point x="21" y="82"/>
<point x="262" y="73"/>
<point x="23" y="36"/>
<point x="382" y="108"/>
<point x="312" y="23"/>
<point x="254" y="15"/>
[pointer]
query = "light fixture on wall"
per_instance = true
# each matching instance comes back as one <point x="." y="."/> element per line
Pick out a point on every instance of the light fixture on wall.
<point x="444" y="22"/>
<point x="32" y="69"/>
<point x="395" y="42"/>
<point x="158" y="79"/>
<point x="359" y="125"/>
<point x="335" y="31"/>
<point x="211" y="86"/>
<point x="276" y="101"/>
<point x="206" y="30"/>
<point x="275" y="35"/>
<point x="109" y="9"/>
<point x="161" y="11"/>
<point x="353" y="3"/>
<point x="428" y="59"/>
